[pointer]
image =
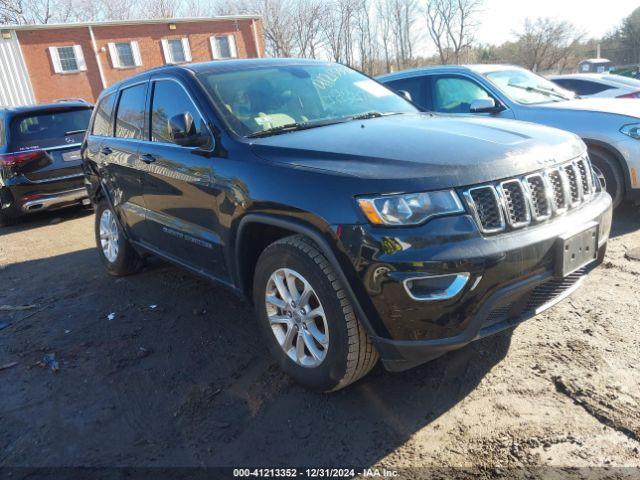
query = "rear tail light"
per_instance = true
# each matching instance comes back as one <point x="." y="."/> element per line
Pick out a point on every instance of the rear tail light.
<point x="19" y="158"/>
<point x="630" y="95"/>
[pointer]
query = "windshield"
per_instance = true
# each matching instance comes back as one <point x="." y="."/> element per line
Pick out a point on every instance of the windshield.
<point x="256" y="100"/>
<point x="526" y="87"/>
<point x="51" y="129"/>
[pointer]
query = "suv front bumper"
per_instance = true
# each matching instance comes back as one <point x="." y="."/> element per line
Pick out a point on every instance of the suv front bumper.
<point x="511" y="277"/>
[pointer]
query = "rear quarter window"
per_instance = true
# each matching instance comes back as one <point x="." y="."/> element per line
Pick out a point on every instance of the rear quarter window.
<point x="50" y="129"/>
<point x="102" y="119"/>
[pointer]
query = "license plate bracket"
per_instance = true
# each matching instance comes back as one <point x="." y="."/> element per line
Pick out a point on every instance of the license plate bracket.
<point x="576" y="250"/>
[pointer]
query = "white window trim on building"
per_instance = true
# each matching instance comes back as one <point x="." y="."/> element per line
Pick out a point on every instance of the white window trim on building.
<point x="57" y="64"/>
<point x="232" y="47"/>
<point x="168" y="58"/>
<point x="115" y="57"/>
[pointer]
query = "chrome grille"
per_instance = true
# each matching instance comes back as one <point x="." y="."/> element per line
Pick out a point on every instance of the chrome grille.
<point x="558" y="189"/>
<point x="517" y="202"/>
<point x="486" y="205"/>
<point x="585" y="175"/>
<point x="575" y="185"/>
<point x="540" y="200"/>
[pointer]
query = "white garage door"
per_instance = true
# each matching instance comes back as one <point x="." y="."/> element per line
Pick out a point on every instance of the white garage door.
<point x="15" y="86"/>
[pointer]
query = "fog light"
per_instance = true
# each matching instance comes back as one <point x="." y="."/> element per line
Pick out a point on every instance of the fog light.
<point x="436" y="287"/>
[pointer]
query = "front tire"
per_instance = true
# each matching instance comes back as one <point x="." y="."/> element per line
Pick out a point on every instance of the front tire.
<point x="116" y="253"/>
<point x="608" y="172"/>
<point x="307" y="318"/>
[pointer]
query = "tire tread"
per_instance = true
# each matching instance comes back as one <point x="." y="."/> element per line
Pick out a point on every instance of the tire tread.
<point x="362" y="355"/>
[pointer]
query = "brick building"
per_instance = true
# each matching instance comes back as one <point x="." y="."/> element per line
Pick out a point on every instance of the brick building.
<point x="44" y="63"/>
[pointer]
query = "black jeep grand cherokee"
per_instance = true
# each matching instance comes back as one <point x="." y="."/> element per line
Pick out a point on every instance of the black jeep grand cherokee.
<point x="360" y="226"/>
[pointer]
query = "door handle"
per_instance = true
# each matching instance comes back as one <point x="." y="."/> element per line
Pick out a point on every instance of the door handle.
<point x="148" y="158"/>
<point x="106" y="151"/>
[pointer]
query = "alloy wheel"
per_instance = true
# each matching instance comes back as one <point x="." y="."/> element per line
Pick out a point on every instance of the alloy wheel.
<point x="109" y="235"/>
<point x="297" y="318"/>
<point x="601" y="178"/>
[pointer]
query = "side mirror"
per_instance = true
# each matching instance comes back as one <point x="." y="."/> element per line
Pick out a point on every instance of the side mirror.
<point x="183" y="132"/>
<point x="181" y="128"/>
<point x="405" y="94"/>
<point x="484" y="105"/>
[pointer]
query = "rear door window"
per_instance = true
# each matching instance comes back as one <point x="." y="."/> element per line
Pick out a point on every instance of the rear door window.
<point x="50" y="129"/>
<point x="415" y="86"/>
<point x="102" y="120"/>
<point x="130" y="114"/>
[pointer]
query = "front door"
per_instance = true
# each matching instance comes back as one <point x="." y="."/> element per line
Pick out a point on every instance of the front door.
<point x="179" y="187"/>
<point x="454" y="94"/>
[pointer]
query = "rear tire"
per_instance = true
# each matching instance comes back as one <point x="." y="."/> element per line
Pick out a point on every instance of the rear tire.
<point x="336" y="351"/>
<point x="116" y="253"/>
<point x="609" y="173"/>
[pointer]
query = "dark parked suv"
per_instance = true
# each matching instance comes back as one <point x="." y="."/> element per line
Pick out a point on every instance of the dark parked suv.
<point x="360" y="226"/>
<point x="40" y="162"/>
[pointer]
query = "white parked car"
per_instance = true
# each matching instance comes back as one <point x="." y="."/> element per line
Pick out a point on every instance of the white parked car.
<point x="605" y="85"/>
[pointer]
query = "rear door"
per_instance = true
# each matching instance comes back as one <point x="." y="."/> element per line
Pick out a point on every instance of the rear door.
<point x="47" y="144"/>
<point x="179" y="189"/>
<point x="122" y="168"/>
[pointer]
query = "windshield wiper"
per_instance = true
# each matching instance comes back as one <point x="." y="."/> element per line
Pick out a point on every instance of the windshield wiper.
<point x="544" y="91"/>
<point x="372" y="114"/>
<point x="292" y="127"/>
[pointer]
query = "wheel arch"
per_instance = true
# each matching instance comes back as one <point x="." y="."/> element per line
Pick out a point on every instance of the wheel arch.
<point x="245" y="260"/>
<point x="615" y="154"/>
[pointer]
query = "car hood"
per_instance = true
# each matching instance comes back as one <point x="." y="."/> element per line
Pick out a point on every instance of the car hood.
<point x="442" y="151"/>
<point x="618" y="106"/>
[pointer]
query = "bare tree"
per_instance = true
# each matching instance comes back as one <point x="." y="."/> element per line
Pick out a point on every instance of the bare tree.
<point x="306" y="25"/>
<point x="544" y="43"/>
<point x="451" y="25"/>
<point x="161" y="8"/>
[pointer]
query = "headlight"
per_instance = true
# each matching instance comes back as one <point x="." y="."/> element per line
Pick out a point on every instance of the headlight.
<point x="410" y="208"/>
<point x="633" y="130"/>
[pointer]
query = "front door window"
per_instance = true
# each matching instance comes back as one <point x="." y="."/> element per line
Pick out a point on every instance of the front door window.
<point x="456" y="94"/>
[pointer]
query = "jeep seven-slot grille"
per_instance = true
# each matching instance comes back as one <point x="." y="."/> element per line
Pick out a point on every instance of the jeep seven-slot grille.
<point x="540" y="201"/>
<point x="515" y="202"/>
<point x="533" y="198"/>
<point x="574" y="184"/>
<point x="558" y="189"/>
<point x="487" y="208"/>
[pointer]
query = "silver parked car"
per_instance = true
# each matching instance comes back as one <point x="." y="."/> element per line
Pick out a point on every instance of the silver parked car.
<point x="609" y="127"/>
<point x="598" y="85"/>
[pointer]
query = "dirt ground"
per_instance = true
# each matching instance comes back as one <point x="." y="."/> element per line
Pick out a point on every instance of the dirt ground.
<point x="164" y="369"/>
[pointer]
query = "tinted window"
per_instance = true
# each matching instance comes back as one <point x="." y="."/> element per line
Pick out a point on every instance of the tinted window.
<point x="130" y="115"/>
<point x="170" y="99"/>
<point x="2" y="135"/>
<point x="412" y="85"/>
<point x="455" y="94"/>
<point x="583" y="87"/>
<point x="51" y="129"/>
<point x="102" y="119"/>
